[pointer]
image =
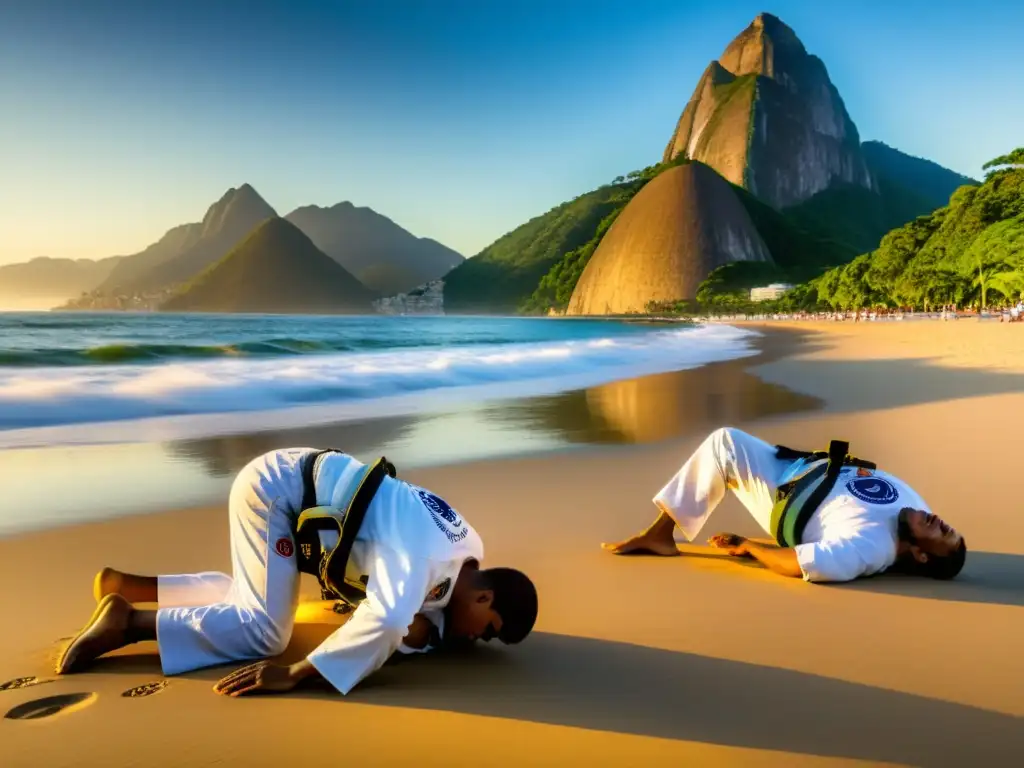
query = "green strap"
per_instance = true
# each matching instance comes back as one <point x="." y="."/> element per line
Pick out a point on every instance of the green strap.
<point x="799" y="499"/>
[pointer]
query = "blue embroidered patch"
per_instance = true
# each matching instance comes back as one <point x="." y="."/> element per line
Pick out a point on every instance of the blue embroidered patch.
<point x="873" y="490"/>
<point x="444" y="516"/>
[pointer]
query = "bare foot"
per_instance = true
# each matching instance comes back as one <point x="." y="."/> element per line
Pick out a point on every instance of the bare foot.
<point x="135" y="589"/>
<point x="648" y="542"/>
<point x="107" y="582"/>
<point x="106" y="631"/>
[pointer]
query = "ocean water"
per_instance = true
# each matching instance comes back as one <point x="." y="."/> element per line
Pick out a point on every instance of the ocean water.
<point x="70" y="378"/>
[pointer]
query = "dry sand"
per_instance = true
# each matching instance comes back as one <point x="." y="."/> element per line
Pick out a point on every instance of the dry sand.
<point x="695" y="660"/>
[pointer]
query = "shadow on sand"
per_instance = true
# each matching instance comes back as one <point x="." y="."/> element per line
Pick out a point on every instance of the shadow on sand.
<point x="992" y="578"/>
<point x="988" y="577"/>
<point x="630" y="689"/>
<point x="853" y="385"/>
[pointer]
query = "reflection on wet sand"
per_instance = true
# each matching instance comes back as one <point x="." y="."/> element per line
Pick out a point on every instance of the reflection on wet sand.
<point x="105" y="480"/>
<point x="225" y="456"/>
<point x="659" y="407"/>
<point x="648" y="409"/>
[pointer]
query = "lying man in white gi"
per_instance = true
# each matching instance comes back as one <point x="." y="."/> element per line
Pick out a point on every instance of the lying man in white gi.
<point x="413" y="565"/>
<point x="862" y="523"/>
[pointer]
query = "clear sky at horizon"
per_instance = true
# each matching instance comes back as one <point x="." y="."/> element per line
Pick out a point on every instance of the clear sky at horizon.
<point x="459" y="120"/>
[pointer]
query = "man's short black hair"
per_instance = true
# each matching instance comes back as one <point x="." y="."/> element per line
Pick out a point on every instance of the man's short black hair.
<point x="515" y="600"/>
<point x="934" y="567"/>
<point x="946" y="567"/>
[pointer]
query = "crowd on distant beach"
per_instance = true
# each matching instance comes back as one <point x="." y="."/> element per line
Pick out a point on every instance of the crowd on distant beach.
<point x="1007" y="314"/>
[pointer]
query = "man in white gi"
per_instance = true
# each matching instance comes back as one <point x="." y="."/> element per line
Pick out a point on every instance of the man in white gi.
<point x="867" y="522"/>
<point x="416" y="558"/>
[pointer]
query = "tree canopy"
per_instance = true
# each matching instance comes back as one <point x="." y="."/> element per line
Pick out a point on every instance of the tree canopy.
<point x="958" y="254"/>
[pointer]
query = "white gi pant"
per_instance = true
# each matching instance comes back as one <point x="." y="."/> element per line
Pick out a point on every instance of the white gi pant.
<point x="727" y="459"/>
<point x="205" y="619"/>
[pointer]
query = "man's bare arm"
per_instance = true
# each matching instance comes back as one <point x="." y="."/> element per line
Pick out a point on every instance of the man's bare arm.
<point x="781" y="560"/>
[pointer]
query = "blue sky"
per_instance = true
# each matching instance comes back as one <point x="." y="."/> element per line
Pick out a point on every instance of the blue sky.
<point x="459" y="120"/>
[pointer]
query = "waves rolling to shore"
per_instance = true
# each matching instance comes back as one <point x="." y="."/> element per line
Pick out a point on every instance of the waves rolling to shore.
<point x="59" y="371"/>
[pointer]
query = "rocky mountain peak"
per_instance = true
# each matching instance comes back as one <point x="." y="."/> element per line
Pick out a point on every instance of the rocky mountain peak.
<point x="767" y="117"/>
<point x="237" y="209"/>
<point x="765" y="47"/>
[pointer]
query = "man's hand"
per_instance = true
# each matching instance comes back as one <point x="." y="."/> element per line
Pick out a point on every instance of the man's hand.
<point x="261" y="677"/>
<point x="731" y="543"/>
<point x="782" y="560"/>
<point x="418" y="636"/>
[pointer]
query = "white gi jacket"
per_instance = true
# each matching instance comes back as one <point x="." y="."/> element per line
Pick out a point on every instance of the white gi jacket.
<point x="853" y="532"/>
<point x="412" y="546"/>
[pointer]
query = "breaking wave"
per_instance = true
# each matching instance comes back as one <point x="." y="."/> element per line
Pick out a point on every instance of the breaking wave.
<point x="242" y="379"/>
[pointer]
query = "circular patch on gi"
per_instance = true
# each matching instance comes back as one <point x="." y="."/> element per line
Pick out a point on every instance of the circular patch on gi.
<point x="445" y="518"/>
<point x="873" y="490"/>
<point x="284" y="547"/>
<point x="439" y="508"/>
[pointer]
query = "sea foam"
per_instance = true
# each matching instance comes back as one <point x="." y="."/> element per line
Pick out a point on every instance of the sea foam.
<point x="194" y="398"/>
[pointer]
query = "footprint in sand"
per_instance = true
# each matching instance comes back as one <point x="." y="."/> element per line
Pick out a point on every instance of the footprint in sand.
<point x="51" y="705"/>
<point x="147" y="689"/>
<point x="23" y="682"/>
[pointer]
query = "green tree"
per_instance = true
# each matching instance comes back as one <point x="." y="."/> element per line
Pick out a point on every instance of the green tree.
<point x="890" y="260"/>
<point x="1009" y="284"/>
<point x="999" y="248"/>
<point x="1014" y="159"/>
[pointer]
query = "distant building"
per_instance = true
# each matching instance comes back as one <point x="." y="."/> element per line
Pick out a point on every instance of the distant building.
<point x="426" y="300"/>
<point x="767" y="292"/>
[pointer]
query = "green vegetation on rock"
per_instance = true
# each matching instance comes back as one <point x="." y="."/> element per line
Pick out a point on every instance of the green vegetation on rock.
<point x="501" y="276"/>
<point x="908" y="187"/>
<point x="860" y="217"/>
<point x="505" y="275"/>
<point x="729" y="97"/>
<point x="798" y="256"/>
<point x="925" y="179"/>
<point x="556" y="287"/>
<point x="957" y="254"/>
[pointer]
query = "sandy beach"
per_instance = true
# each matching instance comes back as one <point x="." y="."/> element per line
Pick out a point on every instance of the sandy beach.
<point x="695" y="660"/>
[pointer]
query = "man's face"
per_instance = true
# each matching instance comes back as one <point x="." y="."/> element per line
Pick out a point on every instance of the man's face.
<point x="472" y="617"/>
<point x="932" y="535"/>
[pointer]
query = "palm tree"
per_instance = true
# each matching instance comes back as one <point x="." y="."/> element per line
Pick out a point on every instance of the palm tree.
<point x="1009" y="283"/>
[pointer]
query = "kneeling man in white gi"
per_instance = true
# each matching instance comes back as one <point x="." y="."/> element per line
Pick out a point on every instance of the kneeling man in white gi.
<point x="861" y="523"/>
<point x="414" y="563"/>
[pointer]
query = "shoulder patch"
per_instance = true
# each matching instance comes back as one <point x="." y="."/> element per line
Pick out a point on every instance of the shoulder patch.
<point x="284" y="547"/>
<point x="445" y="518"/>
<point x="873" y="490"/>
<point x="439" y="591"/>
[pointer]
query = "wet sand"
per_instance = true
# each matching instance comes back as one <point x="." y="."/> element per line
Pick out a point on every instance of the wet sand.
<point x="693" y="660"/>
<point x="102" y="481"/>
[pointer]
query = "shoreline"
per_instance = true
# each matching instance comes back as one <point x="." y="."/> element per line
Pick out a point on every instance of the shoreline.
<point x="257" y="378"/>
<point x="187" y="473"/>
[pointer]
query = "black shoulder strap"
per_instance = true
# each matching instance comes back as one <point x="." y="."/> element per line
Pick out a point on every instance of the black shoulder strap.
<point x="308" y="484"/>
<point x="792" y="454"/>
<point x="837" y="454"/>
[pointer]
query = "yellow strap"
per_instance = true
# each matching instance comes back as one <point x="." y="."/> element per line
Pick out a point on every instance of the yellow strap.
<point x="365" y="473"/>
<point x="338" y="516"/>
<point x="320" y="513"/>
